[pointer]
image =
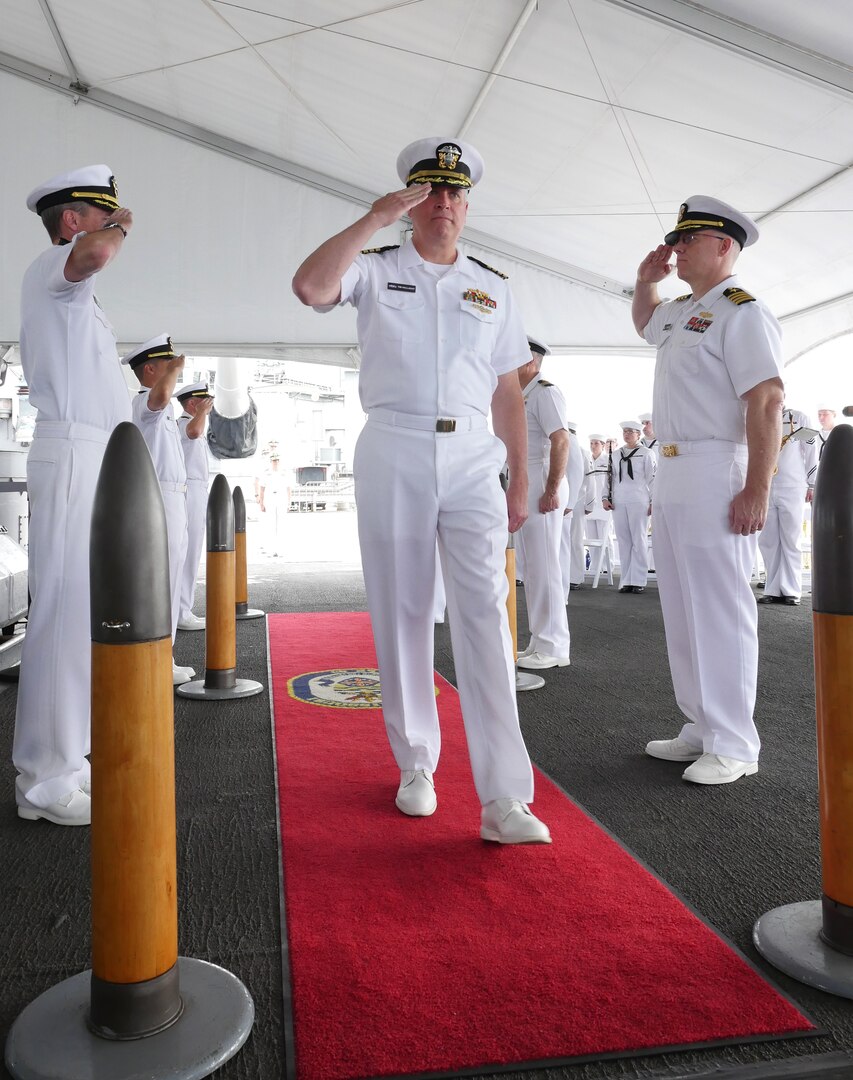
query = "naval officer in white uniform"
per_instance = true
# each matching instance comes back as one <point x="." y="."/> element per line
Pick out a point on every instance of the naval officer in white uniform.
<point x="717" y="408"/>
<point x="157" y="366"/>
<point x="548" y="493"/>
<point x="792" y="488"/>
<point x="441" y="342"/>
<point x="68" y="352"/>
<point x="630" y="498"/>
<point x="196" y="402"/>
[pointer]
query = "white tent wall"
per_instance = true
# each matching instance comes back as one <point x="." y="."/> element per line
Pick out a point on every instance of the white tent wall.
<point x="216" y="240"/>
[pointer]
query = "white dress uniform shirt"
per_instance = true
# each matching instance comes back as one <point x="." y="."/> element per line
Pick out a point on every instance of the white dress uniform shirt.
<point x="711" y="351"/>
<point x="197" y="462"/>
<point x="781" y="540"/>
<point x="160" y="431"/>
<point x="434" y="340"/>
<point x="631" y="498"/>
<point x="68" y="353"/>
<point x="539" y="537"/>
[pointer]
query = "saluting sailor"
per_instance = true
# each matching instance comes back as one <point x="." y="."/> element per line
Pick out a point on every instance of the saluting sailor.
<point x="717" y="407"/>
<point x="630" y="499"/>
<point x="157" y="366"/>
<point x="70" y="362"/>
<point x="781" y="540"/>
<point x="196" y="402"/>
<point x="441" y="343"/>
<point x="548" y="495"/>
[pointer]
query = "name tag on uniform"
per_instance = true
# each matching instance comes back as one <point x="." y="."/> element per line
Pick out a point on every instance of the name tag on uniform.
<point x="399" y="286"/>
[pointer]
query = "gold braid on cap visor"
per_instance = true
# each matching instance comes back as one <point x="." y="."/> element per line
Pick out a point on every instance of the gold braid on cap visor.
<point x="432" y="176"/>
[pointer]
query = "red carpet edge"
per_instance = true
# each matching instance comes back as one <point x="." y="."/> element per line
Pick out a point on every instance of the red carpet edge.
<point x="416" y="949"/>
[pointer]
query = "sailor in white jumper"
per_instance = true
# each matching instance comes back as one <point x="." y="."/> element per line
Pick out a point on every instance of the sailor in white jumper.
<point x="781" y="540"/>
<point x="441" y="342"/>
<point x="196" y="402"/>
<point x="68" y="352"/>
<point x="539" y="537"/>
<point x="630" y="499"/>
<point x="157" y="366"/>
<point x="717" y="408"/>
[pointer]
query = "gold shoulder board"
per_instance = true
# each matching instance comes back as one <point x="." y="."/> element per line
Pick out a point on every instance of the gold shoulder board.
<point x="738" y="296"/>
<point x="379" y="250"/>
<point x="486" y="266"/>
<point x="680" y="299"/>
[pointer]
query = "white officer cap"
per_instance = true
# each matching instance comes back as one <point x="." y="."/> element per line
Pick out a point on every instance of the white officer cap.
<point x="598" y="438"/>
<point x="632" y="425"/>
<point x="193" y="390"/>
<point x="158" y="348"/>
<point x="645" y="416"/>
<point x="538" y="346"/>
<point x="440" y="161"/>
<point x="702" y="212"/>
<point x="826" y="408"/>
<point x="94" y="184"/>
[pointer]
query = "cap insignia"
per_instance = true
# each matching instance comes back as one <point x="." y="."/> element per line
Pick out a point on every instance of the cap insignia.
<point x="448" y="155"/>
<point x="682" y="210"/>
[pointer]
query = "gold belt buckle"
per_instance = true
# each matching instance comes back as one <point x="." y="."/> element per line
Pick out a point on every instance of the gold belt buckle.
<point x="669" y="450"/>
<point x="445" y="425"/>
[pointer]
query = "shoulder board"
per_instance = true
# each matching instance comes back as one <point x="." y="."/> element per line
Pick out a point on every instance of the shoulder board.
<point x="379" y="250"/>
<point x="680" y="299"/>
<point x="544" y="382"/>
<point x="738" y="296"/>
<point x="486" y="266"/>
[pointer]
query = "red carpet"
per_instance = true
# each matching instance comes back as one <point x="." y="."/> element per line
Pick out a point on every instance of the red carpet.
<point x="415" y="947"/>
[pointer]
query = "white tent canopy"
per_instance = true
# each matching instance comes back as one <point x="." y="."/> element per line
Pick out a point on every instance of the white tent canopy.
<point x="241" y="138"/>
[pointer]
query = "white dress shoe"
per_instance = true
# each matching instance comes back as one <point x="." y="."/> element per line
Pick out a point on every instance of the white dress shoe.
<point x="75" y="808"/>
<point x="509" y="821"/>
<point x="716" y="769"/>
<point x="673" y="750"/>
<point x="416" y="794"/>
<point x="192" y="622"/>
<point x="526" y="652"/>
<point x="536" y="661"/>
<point x="181" y="674"/>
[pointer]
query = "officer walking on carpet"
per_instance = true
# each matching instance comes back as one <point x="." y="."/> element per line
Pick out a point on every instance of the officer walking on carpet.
<point x="441" y="343"/>
<point x="717" y="408"/>
<point x="70" y="362"/>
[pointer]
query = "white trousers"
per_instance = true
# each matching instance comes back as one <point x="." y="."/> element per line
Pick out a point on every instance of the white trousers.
<point x="631" y="522"/>
<point x="196" y="537"/>
<point x="577" y="563"/>
<point x="175" y="504"/>
<point x="781" y="541"/>
<point x="411" y="487"/>
<point x="709" y="611"/>
<point x="52" y="724"/>
<point x="539" y="542"/>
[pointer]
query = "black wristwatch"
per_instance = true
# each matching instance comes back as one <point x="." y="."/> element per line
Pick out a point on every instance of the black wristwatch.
<point x="115" y="225"/>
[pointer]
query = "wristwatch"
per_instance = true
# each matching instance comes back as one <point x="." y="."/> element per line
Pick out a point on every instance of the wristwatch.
<point x="115" y="225"/>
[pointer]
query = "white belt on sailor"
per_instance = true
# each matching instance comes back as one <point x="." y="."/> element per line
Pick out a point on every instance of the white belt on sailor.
<point x="442" y="424"/>
<point x="699" y="446"/>
<point x="166" y="485"/>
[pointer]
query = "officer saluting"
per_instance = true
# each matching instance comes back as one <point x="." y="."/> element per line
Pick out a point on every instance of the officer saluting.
<point x="68" y="352"/>
<point x="157" y="366"/>
<point x="441" y="342"/>
<point x="717" y="408"/>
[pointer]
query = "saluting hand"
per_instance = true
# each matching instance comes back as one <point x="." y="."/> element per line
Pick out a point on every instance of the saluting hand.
<point x="396" y="204"/>
<point x="122" y="217"/>
<point x="656" y="265"/>
<point x="176" y="365"/>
